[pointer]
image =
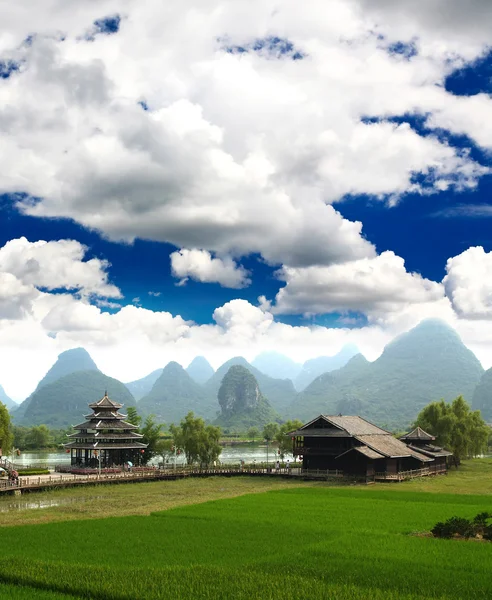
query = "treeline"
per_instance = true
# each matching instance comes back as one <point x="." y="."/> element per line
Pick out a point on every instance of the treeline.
<point x="39" y="437"/>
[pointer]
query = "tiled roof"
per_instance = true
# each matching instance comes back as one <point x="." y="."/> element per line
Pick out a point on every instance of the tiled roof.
<point x="390" y="447"/>
<point x="418" y="434"/>
<point x="369" y="452"/>
<point x="105" y="402"/>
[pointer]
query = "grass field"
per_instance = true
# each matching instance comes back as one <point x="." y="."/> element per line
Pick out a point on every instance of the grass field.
<point x="313" y="542"/>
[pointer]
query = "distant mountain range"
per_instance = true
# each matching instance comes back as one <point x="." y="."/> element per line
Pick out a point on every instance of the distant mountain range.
<point x="241" y="401"/>
<point x="9" y="403"/>
<point x="427" y="363"/>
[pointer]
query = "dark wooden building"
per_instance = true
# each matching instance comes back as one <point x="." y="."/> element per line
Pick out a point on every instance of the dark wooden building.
<point x="105" y="438"/>
<point x="356" y="447"/>
<point x="421" y="441"/>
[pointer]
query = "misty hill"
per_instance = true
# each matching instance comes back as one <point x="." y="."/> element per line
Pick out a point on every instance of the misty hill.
<point x="241" y="401"/>
<point x="277" y="365"/>
<point x="200" y="370"/>
<point x="280" y="393"/>
<point x="428" y="363"/>
<point x="482" y="396"/>
<point x="141" y="387"/>
<point x="65" y="401"/>
<point x="174" y="394"/>
<point x="70" y="361"/>
<point x="9" y="403"/>
<point x="323" y="364"/>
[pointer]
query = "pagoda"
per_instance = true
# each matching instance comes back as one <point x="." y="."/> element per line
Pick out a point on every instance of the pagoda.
<point x="105" y="439"/>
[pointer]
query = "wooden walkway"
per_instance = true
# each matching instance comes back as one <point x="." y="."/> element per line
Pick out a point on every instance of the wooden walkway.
<point x="66" y="480"/>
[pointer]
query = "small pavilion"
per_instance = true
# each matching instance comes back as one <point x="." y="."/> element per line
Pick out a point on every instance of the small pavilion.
<point x="105" y="439"/>
<point x="422" y="442"/>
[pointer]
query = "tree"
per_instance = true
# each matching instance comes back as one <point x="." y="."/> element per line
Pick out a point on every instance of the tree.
<point x="455" y="427"/>
<point x="270" y="431"/>
<point x="151" y="432"/>
<point x="199" y="442"/>
<point x="164" y="449"/>
<point x="133" y="417"/>
<point x="284" y="441"/>
<point x="39" y="436"/>
<point x="6" y="434"/>
<point x="253" y="433"/>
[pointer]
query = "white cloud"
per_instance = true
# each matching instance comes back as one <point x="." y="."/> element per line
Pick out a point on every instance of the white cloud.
<point x="200" y="266"/>
<point x="468" y="283"/>
<point x="56" y="265"/>
<point x="373" y="287"/>
<point x="238" y="154"/>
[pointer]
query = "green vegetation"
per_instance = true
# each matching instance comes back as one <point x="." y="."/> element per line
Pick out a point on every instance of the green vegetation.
<point x="25" y="472"/>
<point x="456" y="427"/>
<point x="39" y="437"/>
<point x="482" y="397"/>
<point x="241" y="401"/>
<point x="427" y="363"/>
<point x="284" y="441"/>
<point x="6" y="434"/>
<point x="478" y="527"/>
<point x="141" y="387"/>
<point x="64" y="401"/>
<point x="280" y="392"/>
<point x="9" y="403"/>
<point x="199" y="442"/>
<point x="174" y="394"/>
<point x="306" y="542"/>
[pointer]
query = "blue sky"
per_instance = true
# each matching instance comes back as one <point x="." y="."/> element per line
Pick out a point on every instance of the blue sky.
<point x="288" y="180"/>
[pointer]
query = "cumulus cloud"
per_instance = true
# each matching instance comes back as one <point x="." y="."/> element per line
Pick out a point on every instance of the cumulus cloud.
<point x="200" y="266"/>
<point x="468" y="283"/>
<point x="56" y="265"/>
<point x="207" y="165"/>
<point x="373" y="287"/>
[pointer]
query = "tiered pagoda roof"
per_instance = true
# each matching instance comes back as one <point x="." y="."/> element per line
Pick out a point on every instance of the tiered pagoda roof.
<point x="105" y="429"/>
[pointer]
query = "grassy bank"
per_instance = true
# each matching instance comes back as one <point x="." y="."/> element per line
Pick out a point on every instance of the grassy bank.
<point x="317" y="543"/>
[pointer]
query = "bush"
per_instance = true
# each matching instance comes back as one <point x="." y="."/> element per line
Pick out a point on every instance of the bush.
<point x="459" y="526"/>
<point x="33" y="472"/>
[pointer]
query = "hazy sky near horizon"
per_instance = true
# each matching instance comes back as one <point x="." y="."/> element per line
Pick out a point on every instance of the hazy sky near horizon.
<point x="223" y="178"/>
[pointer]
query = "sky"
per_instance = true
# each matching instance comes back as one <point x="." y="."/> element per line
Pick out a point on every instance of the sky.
<point x="225" y="178"/>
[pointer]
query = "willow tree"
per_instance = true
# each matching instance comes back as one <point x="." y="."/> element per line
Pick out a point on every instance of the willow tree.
<point x="455" y="427"/>
<point x="6" y="433"/>
<point x="199" y="442"/>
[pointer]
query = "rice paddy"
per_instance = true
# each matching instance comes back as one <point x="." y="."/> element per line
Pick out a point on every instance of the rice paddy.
<point x="295" y="542"/>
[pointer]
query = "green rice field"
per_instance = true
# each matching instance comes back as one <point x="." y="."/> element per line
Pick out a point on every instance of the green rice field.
<point x="307" y="542"/>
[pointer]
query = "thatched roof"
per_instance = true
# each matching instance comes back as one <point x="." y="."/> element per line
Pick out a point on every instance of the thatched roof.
<point x="418" y="434"/>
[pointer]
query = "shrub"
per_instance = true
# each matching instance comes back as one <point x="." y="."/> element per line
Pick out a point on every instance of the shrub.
<point x="464" y="527"/>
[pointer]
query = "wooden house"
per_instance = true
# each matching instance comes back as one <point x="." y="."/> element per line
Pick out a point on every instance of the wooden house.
<point x="354" y="446"/>
<point x="421" y="441"/>
<point x="105" y="438"/>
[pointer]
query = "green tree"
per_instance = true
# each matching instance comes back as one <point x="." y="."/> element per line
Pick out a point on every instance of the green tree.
<point x="151" y="432"/>
<point x="284" y="441"/>
<point x="6" y="433"/>
<point x="39" y="436"/>
<point x="133" y="417"/>
<point x="253" y="433"/>
<point x="270" y="431"/>
<point x="199" y="442"/>
<point x="456" y="427"/>
<point x="164" y="449"/>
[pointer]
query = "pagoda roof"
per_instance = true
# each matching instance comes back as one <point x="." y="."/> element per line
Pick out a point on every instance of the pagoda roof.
<point x="105" y="446"/>
<point x="418" y="434"/>
<point x="105" y="414"/>
<point x="120" y="435"/>
<point x="432" y="451"/>
<point x="105" y="402"/>
<point x="104" y="424"/>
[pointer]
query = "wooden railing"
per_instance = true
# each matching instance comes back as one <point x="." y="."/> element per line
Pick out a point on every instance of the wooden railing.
<point x="412" y="474"/>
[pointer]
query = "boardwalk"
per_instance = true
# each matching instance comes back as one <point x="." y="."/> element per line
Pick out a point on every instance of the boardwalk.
<point x="65" y="480"/>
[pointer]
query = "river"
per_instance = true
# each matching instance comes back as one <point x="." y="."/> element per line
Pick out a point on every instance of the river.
<point x="230" y="455"/>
